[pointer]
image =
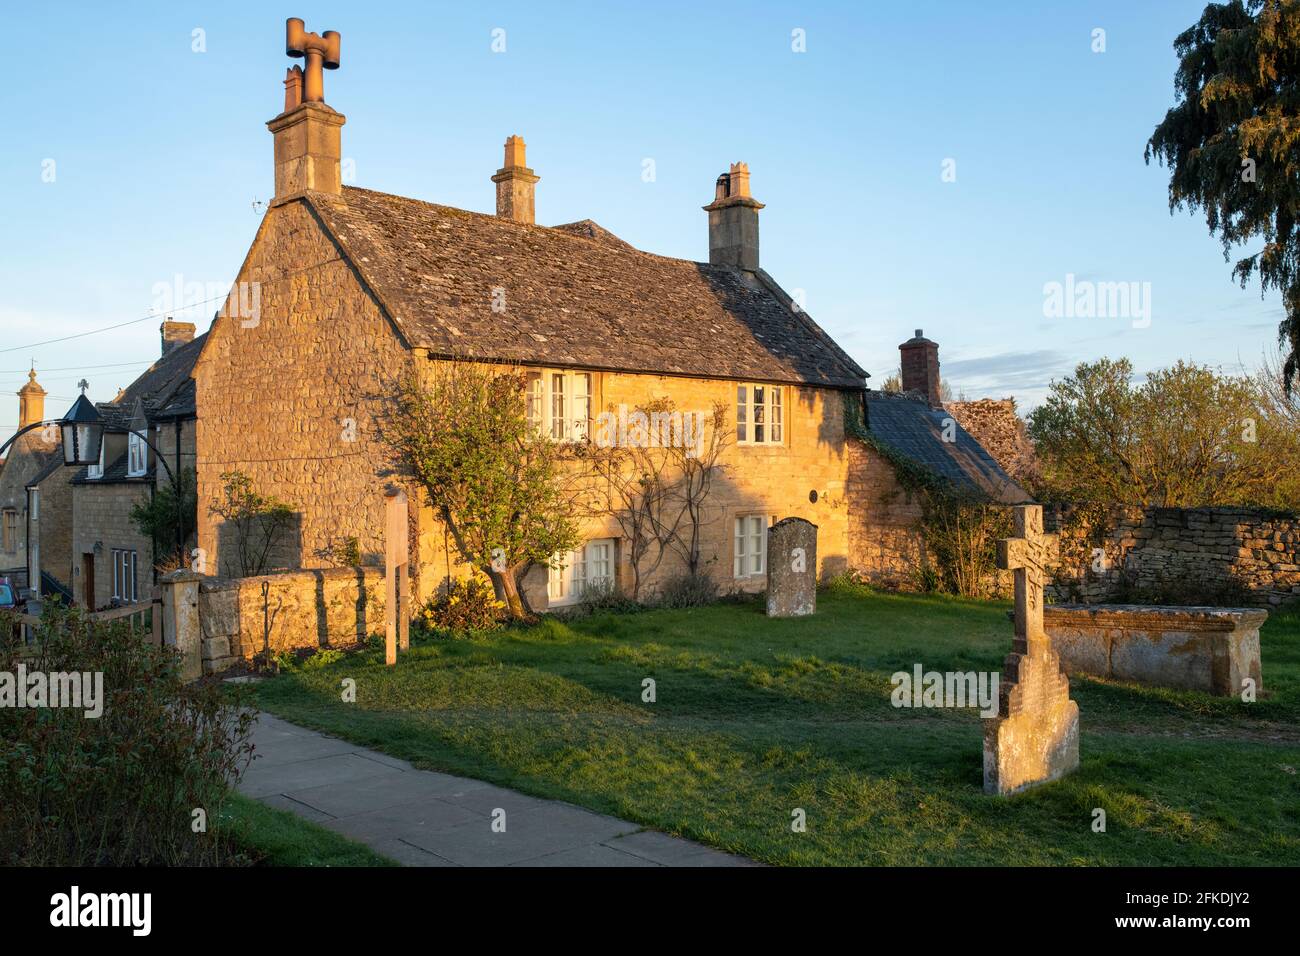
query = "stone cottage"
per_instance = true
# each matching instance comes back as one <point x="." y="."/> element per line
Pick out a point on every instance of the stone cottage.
<point x="345" y="288"/>
<point x="33" y="465"/>
<point x="112" y="563"/>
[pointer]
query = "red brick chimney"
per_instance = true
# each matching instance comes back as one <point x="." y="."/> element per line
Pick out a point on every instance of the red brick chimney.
<point x="919" y="360"/>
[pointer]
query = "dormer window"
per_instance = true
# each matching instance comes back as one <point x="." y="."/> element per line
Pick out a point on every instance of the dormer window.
<point x="559" y="404"/>
<point x="97" y="471"/>
<point x="137" y="459"/>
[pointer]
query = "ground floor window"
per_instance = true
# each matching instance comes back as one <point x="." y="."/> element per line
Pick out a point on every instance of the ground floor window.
<point x="124" y="583"/>
<point x="589" y="566"/>
<point x="751" y="545"/>
<point x="10" y="529"/>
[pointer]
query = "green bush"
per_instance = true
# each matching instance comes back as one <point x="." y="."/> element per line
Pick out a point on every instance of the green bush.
<point x="465" y="606"/>
<point x="689" y="590"/>
<point x="123" y="788"/>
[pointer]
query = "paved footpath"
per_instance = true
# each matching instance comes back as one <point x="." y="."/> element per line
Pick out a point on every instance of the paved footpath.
<point x="421" y="818"/>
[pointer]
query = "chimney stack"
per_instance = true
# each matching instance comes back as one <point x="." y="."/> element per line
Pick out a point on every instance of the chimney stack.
<point x="919" y="368"/>
<point x="308" y="146"/>
<point x="515" y="182"/>
<point x="733" y="221"/>
<point x="31" y="402"/>
<point x="175" y="334"/>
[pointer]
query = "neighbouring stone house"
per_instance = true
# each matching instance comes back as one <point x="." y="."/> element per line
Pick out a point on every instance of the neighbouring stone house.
<point x="343" y="289"/>
<point x="34" y="468"/>
<point x="887" y="542"/>
<point x="112" y="562"/>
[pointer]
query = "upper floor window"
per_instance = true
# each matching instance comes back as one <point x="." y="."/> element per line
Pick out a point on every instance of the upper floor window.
<point x="760" y="415"/>
<point x="559" y="404"/>
<point x="97" y="471"/>
<point x="137" y="456"/>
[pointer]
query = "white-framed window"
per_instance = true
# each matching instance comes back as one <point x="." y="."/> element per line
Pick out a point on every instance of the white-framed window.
<point x="750" y="551"/>
<point x="559" y="404"/>
<point x="137" y="459"/>
<point x="591" y="565"/>
<point x="760" y="414"/>
<point x="124" y="582"/>
<point x="97" y="471"/>
<point x="10" y="529"/>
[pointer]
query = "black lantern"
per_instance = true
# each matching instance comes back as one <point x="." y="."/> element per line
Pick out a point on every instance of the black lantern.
<point x="83" y="433"/>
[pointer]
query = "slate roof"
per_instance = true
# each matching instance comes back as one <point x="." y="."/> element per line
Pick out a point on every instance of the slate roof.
<point x="165" y="388"/>
<point x="575" y="295"/>
<point x="914" y="430"/>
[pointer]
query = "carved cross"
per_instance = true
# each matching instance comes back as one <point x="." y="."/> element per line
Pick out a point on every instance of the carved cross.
<point x="1030" y="554"/>
<point x="320" y="51"/>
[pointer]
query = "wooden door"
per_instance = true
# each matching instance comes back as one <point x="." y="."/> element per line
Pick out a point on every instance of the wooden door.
<point x="88" y="580"/>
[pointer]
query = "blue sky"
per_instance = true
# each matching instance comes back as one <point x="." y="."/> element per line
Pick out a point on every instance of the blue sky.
<point x="159" y="152"/>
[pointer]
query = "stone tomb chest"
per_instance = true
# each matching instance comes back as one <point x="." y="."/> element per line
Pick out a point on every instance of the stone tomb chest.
<point x="1191" y="648"/>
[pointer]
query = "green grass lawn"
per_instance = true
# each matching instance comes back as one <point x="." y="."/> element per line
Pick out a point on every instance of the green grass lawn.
<point x="278" y="838"/>
<point x="757" y="717"/>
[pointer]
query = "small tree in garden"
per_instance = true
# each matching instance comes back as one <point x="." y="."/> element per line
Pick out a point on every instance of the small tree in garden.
<point x="157" y="517"/>
<point x="499" y="487"/>
<point x="258" y="521"/>
<point x="657" y="491"/>
<point x="697" y="468"/>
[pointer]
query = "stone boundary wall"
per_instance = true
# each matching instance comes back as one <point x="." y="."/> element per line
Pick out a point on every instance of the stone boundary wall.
<point x="330" y="607"/>
<point x="1176" y="555"/>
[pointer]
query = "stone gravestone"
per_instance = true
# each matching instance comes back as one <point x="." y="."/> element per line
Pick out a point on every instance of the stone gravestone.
<point x="791" y="568"/>
<point x="1035" y="737"/>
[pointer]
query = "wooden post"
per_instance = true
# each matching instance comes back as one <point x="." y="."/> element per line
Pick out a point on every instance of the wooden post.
<point x="396" y="624"/>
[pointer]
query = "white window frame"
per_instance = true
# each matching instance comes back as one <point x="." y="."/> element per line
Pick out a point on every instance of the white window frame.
<point x="760" y="414"/>
<point x="746" y="534"/>
<point x="560" y="403"/>
<point x="578" y="569"/>
<point x="124" y="574"/>
<point x="97" y="471"/>
<point x="136" y="449"/>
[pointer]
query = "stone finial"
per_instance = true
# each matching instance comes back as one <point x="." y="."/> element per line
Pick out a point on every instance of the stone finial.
<point x="31" y="401"/>
<point x="516" y="184"/>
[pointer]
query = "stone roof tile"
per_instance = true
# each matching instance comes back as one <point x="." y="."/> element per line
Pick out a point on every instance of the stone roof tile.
<point x="572" y="296"/>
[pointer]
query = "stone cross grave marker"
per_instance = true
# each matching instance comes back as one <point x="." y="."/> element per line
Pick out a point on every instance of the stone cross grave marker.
<point x="791" y="568"/>
<point x="397" y="624"/>
<point x="1035" y="737"/>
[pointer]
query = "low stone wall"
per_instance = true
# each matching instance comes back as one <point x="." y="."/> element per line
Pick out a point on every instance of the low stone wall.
<point x="1176" y="555"/>
<point x="242" y="617"/>
<point x="1189" y="648"/>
